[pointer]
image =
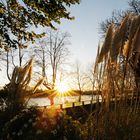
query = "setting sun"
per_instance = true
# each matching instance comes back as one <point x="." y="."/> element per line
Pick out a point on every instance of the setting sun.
<point x="62" y="87"/>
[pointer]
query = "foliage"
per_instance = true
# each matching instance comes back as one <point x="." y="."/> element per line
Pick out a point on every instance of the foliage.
<point x="43" y="124"/>
<point x="116" y="117"/>
<point x="51" y="124"/>
<point x="17" y="16"/>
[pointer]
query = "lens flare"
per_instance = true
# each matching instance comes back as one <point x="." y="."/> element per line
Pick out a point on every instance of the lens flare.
<point x="62" y="87"/>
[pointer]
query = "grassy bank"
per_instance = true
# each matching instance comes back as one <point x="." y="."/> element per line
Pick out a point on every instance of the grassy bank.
<point x="119" y="122"/>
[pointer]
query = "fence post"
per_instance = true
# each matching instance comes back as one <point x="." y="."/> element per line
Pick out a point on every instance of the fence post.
<point x="91" y="102"/>
<point x="73" y="104"/>
<point x="61" y="106"/>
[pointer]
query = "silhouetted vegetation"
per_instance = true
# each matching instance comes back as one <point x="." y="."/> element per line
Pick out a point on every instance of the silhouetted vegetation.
<point x="115" y="77"/>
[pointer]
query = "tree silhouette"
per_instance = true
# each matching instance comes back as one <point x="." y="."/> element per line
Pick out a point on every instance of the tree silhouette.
<point x="16" y="16"/>
<point x="51" y="53"/>
<point x="57" y="52"/>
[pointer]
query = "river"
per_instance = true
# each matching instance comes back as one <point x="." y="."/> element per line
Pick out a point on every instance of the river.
<point x="59" y="100"/>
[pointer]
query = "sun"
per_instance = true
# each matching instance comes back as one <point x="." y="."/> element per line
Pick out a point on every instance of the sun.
<point x="62" y="87"/>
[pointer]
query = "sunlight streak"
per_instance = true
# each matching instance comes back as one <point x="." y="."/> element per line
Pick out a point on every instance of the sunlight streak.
<point x="62" y="88"/>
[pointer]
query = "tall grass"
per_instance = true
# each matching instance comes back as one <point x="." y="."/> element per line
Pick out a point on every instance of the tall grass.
<point x="117" y="117"/>
<point x="119" y="114"/>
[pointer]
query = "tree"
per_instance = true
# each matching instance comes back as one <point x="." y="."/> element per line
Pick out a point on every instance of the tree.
<point x="91" y="78"/>
<point x="41" y="59"/>
<point x="40" y="50"/>
<point x="12" y="57"/>
<point x="16" y="16"/>
<point x="51" y="52"/>
<point x="134" y="6"/>
<point x="79" y="79"/>
<point x="58" y="52"/>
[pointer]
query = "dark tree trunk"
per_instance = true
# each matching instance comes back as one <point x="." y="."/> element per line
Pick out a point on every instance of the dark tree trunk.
<point x="43" y="64"/>
<point x="54" y="78"/>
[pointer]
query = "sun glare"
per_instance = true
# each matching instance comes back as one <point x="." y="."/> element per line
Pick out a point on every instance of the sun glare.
<point x="62" y="87"/>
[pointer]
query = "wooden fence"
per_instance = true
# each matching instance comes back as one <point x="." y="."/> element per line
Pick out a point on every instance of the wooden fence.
<point x="72" y="104"/>
<point x="83" y="103"/>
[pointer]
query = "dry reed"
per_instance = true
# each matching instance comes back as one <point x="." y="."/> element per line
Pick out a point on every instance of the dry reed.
<point x="38" y="84"/>
<point x="107" y="44"/>
<point x="136" y="45"/>
<point x="133" y="29"/>
<point x="119" y="39"/>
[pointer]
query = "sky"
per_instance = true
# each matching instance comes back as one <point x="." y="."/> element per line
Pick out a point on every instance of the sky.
<point x="84" y="29"/>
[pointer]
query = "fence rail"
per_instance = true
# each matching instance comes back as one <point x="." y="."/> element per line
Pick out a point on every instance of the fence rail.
<point x="72" y="104"/>
<point x="86" y="102"/>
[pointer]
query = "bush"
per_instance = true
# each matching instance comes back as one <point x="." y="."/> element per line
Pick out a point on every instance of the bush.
<point x="36" y="124"/>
